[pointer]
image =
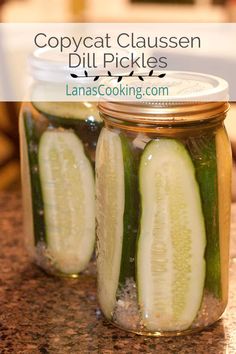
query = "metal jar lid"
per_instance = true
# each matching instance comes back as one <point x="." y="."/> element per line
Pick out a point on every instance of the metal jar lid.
<point x="195" y="97"/>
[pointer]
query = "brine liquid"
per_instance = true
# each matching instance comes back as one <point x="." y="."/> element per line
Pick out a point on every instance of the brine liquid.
<point x="209" y="150"/>
<point x="87" y="130"/>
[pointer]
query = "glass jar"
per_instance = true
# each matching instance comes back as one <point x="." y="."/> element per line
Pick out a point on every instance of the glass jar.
<point x="163" y="189"/>
<point x="58" y="142"/>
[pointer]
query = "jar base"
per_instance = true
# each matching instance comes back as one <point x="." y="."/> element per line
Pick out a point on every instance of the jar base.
<point x="50" y="270"/>
<point x="164" y="333"/>
<point x="83" y="276"/>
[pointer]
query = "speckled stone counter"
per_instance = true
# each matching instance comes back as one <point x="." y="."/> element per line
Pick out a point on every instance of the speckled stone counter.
<point x="42" y="314"/>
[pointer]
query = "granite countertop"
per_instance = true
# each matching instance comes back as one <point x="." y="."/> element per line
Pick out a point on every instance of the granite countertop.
<point x="43" y="314"/>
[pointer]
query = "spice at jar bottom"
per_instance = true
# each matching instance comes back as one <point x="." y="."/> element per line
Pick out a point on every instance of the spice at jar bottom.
<point x="163" y="190"/>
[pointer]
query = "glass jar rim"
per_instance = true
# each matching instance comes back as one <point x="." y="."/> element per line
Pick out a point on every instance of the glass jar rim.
<point x="168" y="114"/>
<point x="194" y="96"/>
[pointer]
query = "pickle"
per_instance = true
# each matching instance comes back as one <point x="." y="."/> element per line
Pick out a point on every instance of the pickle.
<point x="110" y="205"/>
<point x="117" y="220"/>
<point x="82" y="117"/>
<point x="224" y="169"/>
<point x="131" y="213"/>
<point x="67" y="181"/>
<point x="203" y="152"/>
<point x="171" y="245"/>
<point x="32" y="138"/>
<point x="69" y="112"/>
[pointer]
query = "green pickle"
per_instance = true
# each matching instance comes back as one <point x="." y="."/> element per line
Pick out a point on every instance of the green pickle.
<point x="172" y="239"/>
<point x="32" y="136"/>
<point x="203" y="152"/>
<point x="116" y="173"/>
<point x="131" y="212"/>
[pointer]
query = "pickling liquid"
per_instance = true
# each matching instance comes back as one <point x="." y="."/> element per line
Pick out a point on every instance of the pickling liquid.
<point x="163" y="226"/>
<point x="58" y="145"/>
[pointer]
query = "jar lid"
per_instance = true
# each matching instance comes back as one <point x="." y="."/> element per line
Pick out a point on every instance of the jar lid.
<point x="193" y="97"/>
<point x="47" y="65"/>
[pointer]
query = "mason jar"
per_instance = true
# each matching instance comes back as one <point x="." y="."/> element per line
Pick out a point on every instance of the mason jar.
<point x="163" y="191"/>
<point x="58" y="142"/>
